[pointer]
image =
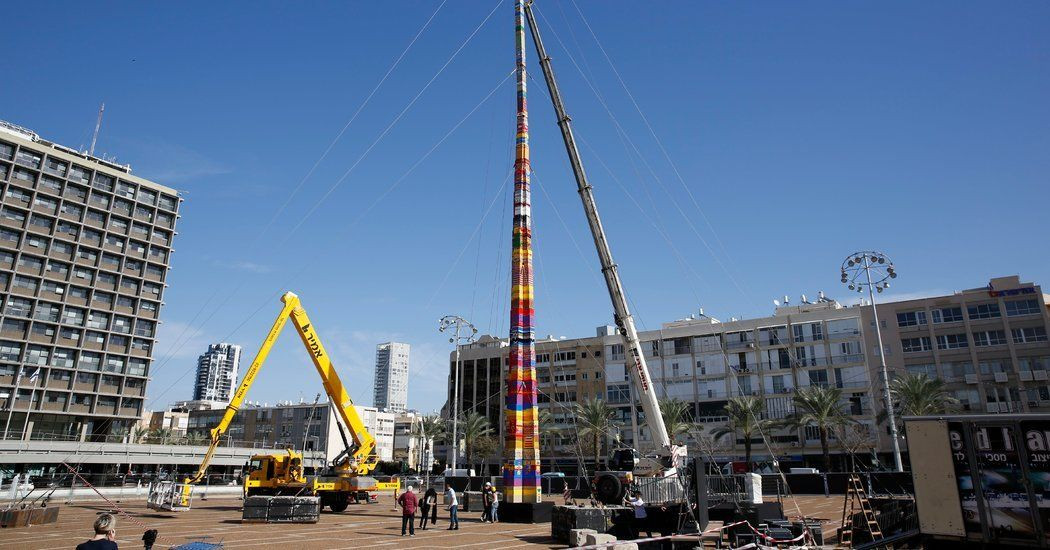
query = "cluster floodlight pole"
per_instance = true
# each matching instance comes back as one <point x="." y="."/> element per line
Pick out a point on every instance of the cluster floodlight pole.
<point x="853" y="266"/>
<point x="463" y="333"/>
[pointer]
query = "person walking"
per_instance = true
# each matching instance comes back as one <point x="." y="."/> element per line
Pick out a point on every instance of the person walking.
<point x="486" y="501"/>
<point x="105" y="534"/>
<point x="641" y="518"/>
<point x="408" y="503"/>
<point x="429" y="508"/>
<point x="453" y="509"/>
<point x="494" y="515"/>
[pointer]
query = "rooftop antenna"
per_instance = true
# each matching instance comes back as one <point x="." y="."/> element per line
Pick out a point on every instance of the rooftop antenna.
<point x="804" y="301"/>
<point x="98" y="126"/>
<point x="787" y="300"/>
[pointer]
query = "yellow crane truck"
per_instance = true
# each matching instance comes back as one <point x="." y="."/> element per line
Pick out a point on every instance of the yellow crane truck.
<point x="283" y="473"/>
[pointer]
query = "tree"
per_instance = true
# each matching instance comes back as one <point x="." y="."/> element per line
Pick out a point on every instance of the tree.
<point x="676" y="418"/>
<point x="745" y="420"/>
<point x="853" y="438"/>
<point x="485" y="447"/>
<point x="139" y="433"/>
<point x="161" y="435"/>
<point x="919" y="395"/>
<point x="474" y="426"/>
<point x="426" y="431"/>
<point x="820" y="406"/>
<point x="545" y="420"/>
<point x="594" y="419"/>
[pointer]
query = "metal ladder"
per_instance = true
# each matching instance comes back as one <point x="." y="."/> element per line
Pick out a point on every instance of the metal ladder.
<point x="857" y="500"/>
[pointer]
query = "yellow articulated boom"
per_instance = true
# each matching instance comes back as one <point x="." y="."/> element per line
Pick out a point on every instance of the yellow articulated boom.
<point x="283" y="473"/>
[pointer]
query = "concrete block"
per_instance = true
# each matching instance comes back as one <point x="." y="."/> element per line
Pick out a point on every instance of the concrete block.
<point x="625" y="546"/>
<point x="599" y="538"/>
<point x="578" y="537"/>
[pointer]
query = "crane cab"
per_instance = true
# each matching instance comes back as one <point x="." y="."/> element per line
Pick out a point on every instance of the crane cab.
<point x="271" y="473"/>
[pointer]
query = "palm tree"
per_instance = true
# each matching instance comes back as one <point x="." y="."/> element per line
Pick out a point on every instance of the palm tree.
<point x="474" y="426"/>
<point x="545" y="420"/>
<point x="139" y="433"/>
<point x="820" y="406"/>
<point x="676" y="418"/>
<point x="919" y="395"/>
<point x="161" y="435"/>
<point x="745" y="420"/>
<point x="594" y="419"/>
<point x="426" y="431"/>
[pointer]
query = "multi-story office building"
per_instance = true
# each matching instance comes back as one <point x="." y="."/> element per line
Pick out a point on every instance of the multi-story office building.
<point x="303" y="426"/>
<point x="408" y="446"/>
<point x="988" y="343"/>
<point x="391" y="377"/>
<point x="217" y="373"/>
<point x="85" y="248"/>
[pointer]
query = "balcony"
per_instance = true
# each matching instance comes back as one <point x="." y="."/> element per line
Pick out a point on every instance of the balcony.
<point x="740" y="345"/>
<point x="842" y="359"/>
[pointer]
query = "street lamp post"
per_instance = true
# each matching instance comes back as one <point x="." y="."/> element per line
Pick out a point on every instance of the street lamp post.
<point x="459" y="326"/>
<point x="867" y="263"/>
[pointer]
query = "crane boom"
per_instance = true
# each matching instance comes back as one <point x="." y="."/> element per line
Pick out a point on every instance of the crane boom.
<point x="363" y="458"/>
<point x="622" y="315"/>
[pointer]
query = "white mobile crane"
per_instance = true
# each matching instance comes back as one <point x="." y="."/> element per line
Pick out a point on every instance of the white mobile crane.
<point x="609" y="486"/>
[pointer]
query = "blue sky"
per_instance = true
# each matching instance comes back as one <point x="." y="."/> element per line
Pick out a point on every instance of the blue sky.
<point x="804" y="131"/>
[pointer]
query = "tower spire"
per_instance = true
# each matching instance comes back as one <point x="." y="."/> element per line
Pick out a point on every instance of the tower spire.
<point x="521" y="472"/>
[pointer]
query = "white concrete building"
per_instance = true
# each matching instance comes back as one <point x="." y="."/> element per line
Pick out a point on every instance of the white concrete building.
<point x="391" y="377"/>
<point x="217" y="373"/>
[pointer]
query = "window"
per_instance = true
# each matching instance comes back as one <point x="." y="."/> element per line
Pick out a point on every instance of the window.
<point x="118" y="224"/>
<point x="133" y="266"/>
<point x="947" y="315"/>
<point x="104" y="297"/>
<point x="77" y="192"/>
<point x="110" y="261"/>
<point x="79" y="292"/>
<point x="51" y="185"/>
<point x="157" y="271"/>
<point x="69" y="334"/>
<point x="983" y="311"/>
<point x="58" y="269"/>
<point x="1022" y="307"/>
<point x="114" y="241"/>
<point x="147" y="196"/>
<point x="62" y="248"/>
<point x="79" y="173"/>
<point x="84" y="274"/>
<point x="28" y="284"/>
<point x="168" y="202"/>
<point x="18" y="307"/>
<point x="139" y="230"/>
<point x="28" y="158"/>
<point x="47" y="312"/>
<point x="56" y="166"/>
<point x="94" y="216"/>
<point x="114" y="364"/>
<point x="150" y="307"/>
<point x="95" y="337"/>
<point x="144" y="213"/>
<point x="144" y="328"/>
<point x="989" y="338"/>
<point x="7" y="151"/>
<point x="167" y="220"/>
<point x="916" y="344"/>
<point x="125" y="302"/>
<point x="15" y="326"/>
<point x="929" y="369"/>
<point x="103" y="182"/>
<point x="129" y="285"/>
<point x="71" y="209"/>
<point x="68" y="229"/>
<point x="10" y="351"/>
<point x="152" y="288"/>
<point x="137" y="367"/>
<point x="994" y="366"/>
<point x="14" y="215"/>
<point x="31" y="263"/>
<point x="41" y="223"/>
<point x="952" y="341"/>
<point x="37" y="355"/>
<point x="99" y="320"/>
<point x="48" y="204"/>
<point x="17" y="195"/>
<point x="122" y="324"/>
<point x="9" y="236"/>
<point x="73" y="316"/>
<point x="87" y="255"/>
<point x="1027" y="335"/>
<point x="911" y="318"/>
<point x="61" y="375"/>
<point x="90" y="361"/>
<point x="140" y="344"/>
<point x="53" y="288"/>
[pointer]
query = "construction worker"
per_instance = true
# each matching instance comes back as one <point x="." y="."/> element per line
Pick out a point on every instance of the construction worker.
<point x="105" y="534"/>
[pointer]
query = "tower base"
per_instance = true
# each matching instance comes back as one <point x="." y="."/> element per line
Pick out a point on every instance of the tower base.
<point x="525" y="512"/>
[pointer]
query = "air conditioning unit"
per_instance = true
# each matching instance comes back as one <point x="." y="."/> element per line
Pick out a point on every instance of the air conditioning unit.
<point x="794" y="444"/>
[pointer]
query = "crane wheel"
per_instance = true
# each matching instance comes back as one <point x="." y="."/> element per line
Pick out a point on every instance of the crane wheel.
<point x="338" y="503"/>
<point x="608" y="489"/>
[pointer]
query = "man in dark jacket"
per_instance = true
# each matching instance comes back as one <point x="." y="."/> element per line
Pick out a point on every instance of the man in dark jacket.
<point x="408" y="503"/>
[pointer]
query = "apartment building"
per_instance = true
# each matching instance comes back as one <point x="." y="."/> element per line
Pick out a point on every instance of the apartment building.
<point x="304" y="426"/>
<point x="85" y="248"/>
<point x="408" y="448"/>
<point x="391" y="377"/>
<point x="988" y="343"/>
<point x="217" y="373"/>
